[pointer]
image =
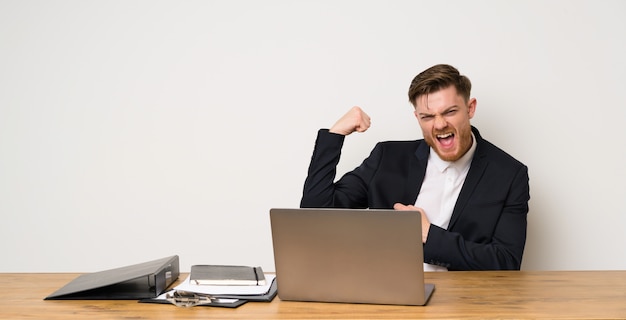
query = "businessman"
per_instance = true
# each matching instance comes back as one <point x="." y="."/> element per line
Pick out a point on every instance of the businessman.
<point x="472" y="196"/>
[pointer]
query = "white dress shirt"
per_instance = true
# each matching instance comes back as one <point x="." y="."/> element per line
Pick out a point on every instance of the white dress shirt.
<point x="440" y="190"/>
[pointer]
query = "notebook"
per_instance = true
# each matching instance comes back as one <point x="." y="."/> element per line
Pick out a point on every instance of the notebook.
<point x="349" y="255"/>
<point x="227" y="275"/>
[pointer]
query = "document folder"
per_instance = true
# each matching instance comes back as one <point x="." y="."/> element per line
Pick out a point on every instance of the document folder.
<point x="223" y="300"/>
<point x="139" y="281"/>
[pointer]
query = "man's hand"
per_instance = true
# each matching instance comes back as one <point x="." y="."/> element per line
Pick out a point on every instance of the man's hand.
<point x="425" y="222"/>
<point x="355" y="120"/>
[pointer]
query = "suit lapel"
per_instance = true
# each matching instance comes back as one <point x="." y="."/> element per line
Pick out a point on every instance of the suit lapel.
<point x="417" y="172"/>
<point x="475" y="173"/>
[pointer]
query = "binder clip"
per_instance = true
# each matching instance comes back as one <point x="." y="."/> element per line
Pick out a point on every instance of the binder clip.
<point x="187" y="299"/>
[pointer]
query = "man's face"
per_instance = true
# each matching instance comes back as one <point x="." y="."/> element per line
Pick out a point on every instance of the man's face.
<point x="444" y="117"/>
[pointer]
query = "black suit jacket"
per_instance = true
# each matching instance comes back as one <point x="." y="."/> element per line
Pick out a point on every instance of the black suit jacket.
<point x="487" y="229"/>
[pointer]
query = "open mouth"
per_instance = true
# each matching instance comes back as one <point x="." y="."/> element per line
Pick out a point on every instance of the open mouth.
<point x="445" y="139"/>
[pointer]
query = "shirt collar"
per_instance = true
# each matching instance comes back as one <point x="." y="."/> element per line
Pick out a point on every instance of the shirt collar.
<point x="460" y="164"/>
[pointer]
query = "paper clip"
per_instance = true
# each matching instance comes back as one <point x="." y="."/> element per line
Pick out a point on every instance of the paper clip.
<point x="188" y="299"/>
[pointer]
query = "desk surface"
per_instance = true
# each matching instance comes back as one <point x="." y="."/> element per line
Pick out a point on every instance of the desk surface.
<point x="487" y="294"/>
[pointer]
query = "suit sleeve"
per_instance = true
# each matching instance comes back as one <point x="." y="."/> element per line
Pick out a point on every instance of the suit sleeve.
<point x="503" y="250"/>
<point x="320" y="190"/>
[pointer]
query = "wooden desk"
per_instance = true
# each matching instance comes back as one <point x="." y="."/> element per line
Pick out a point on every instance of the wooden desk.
<point x="499" y="294"/>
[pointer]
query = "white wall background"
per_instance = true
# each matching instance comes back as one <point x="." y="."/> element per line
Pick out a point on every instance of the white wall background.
<point x="134" y="130"/>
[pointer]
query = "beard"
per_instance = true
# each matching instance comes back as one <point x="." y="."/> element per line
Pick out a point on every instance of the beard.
<point x="460" y="144"/>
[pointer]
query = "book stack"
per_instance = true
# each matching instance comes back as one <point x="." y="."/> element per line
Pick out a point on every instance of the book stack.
<point x="221" y="286"/>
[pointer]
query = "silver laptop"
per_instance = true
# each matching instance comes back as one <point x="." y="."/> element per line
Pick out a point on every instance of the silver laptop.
<point x="349" y="255"/>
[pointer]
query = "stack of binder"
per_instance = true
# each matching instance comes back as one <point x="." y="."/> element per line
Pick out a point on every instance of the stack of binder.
<point x="221" y="286"/>
<point x="149" y="282"/>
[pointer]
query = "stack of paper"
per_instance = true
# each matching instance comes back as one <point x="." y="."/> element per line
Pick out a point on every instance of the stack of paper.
<point x="223" y="295"/>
